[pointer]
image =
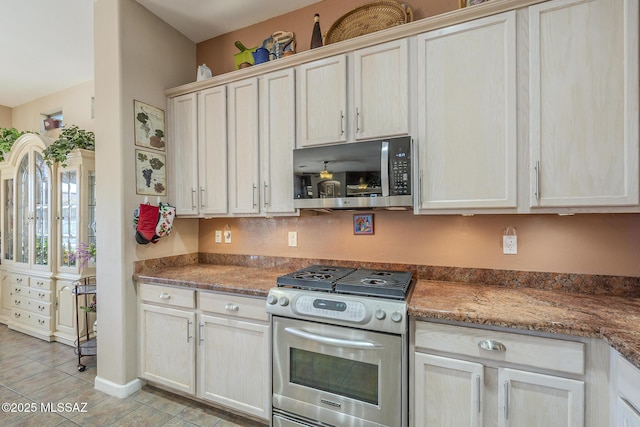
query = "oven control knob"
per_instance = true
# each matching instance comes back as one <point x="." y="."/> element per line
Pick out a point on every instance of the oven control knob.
<point x="283" y="301"/>
<point x="396" y="316"/>
<point x="380" y="314"/>
<point x="272" y="299"/>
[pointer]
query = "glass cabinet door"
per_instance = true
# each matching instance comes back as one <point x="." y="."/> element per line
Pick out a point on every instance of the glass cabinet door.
<point x="68" y="218"/>
<point x="22" y="211"/>
<point x="7" y="238"/>
<point x="42" y="185"/>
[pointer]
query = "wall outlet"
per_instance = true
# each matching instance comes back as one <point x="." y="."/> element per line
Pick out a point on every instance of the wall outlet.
<point x="293" y="238"/>
<point x="227" y="236"/>
<point x="510" y="245"/>
<point x="218" y="236"/>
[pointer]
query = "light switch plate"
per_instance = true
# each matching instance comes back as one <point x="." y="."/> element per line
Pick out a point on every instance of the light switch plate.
<point x="293" y="238"/>
<point x="218" y="236"/>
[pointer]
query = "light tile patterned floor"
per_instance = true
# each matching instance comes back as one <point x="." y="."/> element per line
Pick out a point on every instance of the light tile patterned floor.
<point x="43" y="376"/>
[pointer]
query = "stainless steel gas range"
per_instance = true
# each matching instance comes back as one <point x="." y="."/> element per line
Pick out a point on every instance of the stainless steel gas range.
<point x="340" y="347"/>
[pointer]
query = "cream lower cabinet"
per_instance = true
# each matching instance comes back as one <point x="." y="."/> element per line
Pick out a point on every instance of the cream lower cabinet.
<point x="233" y="353"/>
<point x="167" y="337"/>
<point x="458" y="383"/>
<point x="217" y="349"/>
<point x="65" y="318"/>
<point x="32" y="305"/>
<point x="625" y="392"/>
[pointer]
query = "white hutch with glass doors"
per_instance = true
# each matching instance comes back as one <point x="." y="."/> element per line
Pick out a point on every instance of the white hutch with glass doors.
<point x="47" y="224"/>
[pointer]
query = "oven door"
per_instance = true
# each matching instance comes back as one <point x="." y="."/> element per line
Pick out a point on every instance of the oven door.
<point x="338" y="375"/>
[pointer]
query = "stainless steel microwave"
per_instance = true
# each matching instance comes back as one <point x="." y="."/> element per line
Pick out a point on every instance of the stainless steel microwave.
<point x="372" y="174"/>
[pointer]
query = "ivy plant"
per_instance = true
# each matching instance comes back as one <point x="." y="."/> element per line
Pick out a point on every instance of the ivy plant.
<point x="8" y="137"/>
<point x="70" y="138"/>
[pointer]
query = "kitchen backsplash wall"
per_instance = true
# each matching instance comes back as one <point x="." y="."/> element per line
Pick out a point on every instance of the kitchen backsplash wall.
<point x="606" y="244"/>
<point x="218" y="52"/>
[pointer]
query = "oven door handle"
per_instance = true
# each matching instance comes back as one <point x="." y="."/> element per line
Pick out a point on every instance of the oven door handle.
<point x="338" y="342"/>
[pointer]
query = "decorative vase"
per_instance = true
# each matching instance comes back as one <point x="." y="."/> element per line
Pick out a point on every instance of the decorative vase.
<point x="316" y="35"/>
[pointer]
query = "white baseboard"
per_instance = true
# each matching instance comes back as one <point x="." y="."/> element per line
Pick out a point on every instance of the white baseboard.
<point x="118" y="390"/>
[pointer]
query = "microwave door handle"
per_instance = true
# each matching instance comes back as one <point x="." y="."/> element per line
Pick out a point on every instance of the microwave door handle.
<point x="384" y="168"/>
<point x="337" y="342"/>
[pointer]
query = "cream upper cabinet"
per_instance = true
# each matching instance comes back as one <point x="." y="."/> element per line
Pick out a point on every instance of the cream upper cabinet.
<point x="583" y="95"/>
<point x="323" y="101"/>
<point x="184" y="153"/>
<point x="212" y="151"/>
<point x="277" y="140"/>
<point x="467" y="116"/>
<point x="243" y="147"/>
<point x="381" y="86"/>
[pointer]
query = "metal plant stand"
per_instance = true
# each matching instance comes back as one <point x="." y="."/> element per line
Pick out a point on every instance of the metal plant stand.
<point x="86" y="343"/>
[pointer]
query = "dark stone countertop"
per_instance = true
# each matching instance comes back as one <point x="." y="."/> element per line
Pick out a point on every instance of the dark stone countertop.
<point x="615" y="319"/>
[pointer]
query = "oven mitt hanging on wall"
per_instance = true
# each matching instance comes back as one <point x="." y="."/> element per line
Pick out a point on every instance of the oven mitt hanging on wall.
<point x="165" y="220"/>
<point x="147" y="221"/>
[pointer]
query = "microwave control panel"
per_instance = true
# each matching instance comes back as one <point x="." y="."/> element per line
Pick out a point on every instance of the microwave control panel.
<point x="400" y="167"/>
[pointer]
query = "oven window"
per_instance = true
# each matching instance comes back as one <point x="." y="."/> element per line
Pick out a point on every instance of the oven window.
<point x="349" y="378"/>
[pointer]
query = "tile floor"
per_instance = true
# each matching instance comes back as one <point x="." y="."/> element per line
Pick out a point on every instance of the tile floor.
<point x="35" y="373"/>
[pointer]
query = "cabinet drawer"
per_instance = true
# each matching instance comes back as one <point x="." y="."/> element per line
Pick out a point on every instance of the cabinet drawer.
<point x="40" y="295"/>
<point x="38" y="283"/>
<point x="233" y="305"/>
<point x="20" y="279"/>
<point x="538" y="352"/>
<point x="39" y="322"/>
<point x="33" y="306"/>
<point x="167" y="295"/>
<point x="20" y="291"/>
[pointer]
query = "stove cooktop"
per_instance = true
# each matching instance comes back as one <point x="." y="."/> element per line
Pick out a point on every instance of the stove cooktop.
<point x="366" y="282"/>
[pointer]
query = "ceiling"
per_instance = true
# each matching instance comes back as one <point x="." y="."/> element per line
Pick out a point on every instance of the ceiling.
<point x="47" y="46"/>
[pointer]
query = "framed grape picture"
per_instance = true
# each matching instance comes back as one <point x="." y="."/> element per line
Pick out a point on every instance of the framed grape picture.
<point x="151" y="173"/>
<point x="149" y="126"/>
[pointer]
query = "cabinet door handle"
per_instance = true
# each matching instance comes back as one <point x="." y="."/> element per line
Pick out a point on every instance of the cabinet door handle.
<point x="341" y="122"/>
<point x="478" y="390"/>
<point x="506" y="400"/>
<point x="164" y="295"/>
<point x="202" y="197"/>
<point x="357" y="120"/>
<point x="189" y="336"/>
<point x="231" y="307"/>
<point x="193" y="198"/>
<point x="265" y="191"/>
<point x="492" y="345"/>
<point x="201" y="337"/>
<point x="253" y="196"/>
<point x="536" y="168"/>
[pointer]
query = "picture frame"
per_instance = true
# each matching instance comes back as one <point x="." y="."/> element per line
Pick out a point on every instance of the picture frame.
<point x="363" y="224"/>
<point x="149" y="126"/>
<point x="151" y="177"/>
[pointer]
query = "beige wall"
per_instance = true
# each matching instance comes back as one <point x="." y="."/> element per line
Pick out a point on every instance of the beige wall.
<point x="5" y="117"/>
<point x="218" y="52"/>
<point x="137" y="56"/>
<point x="594" y="244"/>
<point x="75" y="103"/>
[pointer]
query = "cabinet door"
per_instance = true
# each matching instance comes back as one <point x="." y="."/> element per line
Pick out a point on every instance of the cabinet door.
<point x="184" y="143"/>
<point x="65" y="320"/>
<point x="234" y="359"/>
<point x="381" y="81"/>
<point x="243" y="147"/>
<point x="167" y="347"/>
<point x="277" y="140"/>
<point x="626" y="415"/>
<point x="467" y="115"/>
<point x="6" y="297"/>
<point x="212" y="150"/>
<point x="583" y="67"/>
<point x="323" y="101"/>
<point x="536" y="400"/>
<point x="448" y="392"/>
